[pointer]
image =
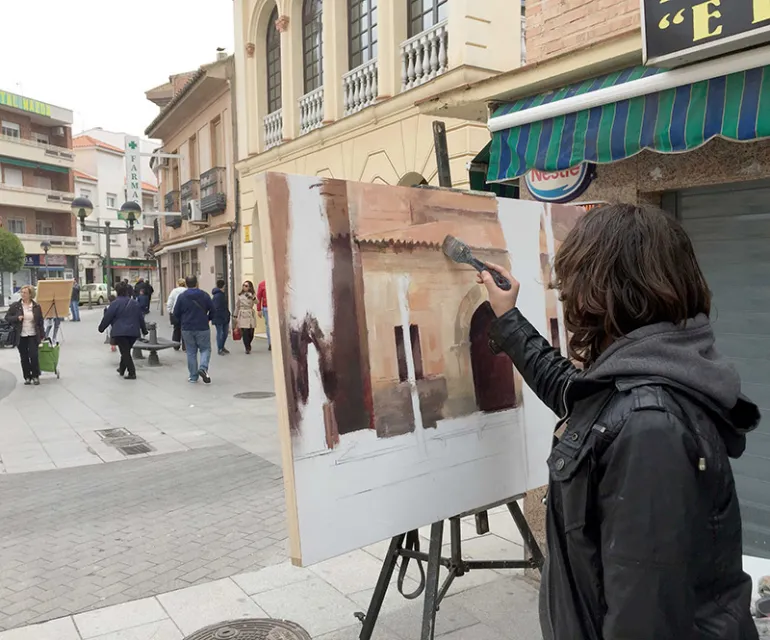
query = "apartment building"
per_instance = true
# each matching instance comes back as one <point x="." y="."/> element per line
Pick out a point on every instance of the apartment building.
<point x="100" y="175"/>
<point x="672" y="114"/>
<point x="36" y="187"/>
<point x="333" y="87"/>
<point x="197" y="184"/>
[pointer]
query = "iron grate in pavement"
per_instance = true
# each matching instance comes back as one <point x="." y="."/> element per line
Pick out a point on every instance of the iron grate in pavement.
<point x="252" y="629"/>
<point x="254" y="395"/>
<point x="125" y="441"/>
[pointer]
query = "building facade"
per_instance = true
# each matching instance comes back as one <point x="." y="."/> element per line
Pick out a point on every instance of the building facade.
<point x="332" y="88"/>
<point x="36" y="188"/>
<point x="196" y="125"/>
<point x="100" y="175"/>
<point x="678" y="120"/>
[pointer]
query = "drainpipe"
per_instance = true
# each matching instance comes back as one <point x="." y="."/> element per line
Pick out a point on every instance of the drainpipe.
<point x="231" y="246"/>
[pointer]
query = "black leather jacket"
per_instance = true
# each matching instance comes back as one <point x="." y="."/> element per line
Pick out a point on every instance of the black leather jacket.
<point x="15" y="311"/>
<point x="643" y="521"/>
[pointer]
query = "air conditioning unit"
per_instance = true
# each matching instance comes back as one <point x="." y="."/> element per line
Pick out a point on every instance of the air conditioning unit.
<point x="194" y="213"/>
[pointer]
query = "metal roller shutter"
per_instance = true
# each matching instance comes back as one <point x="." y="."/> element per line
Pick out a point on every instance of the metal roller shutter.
<point x="730" y="230"/>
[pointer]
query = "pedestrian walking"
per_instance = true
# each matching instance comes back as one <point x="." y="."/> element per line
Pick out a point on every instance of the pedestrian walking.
<point x="26" y="317"/>
<point x="262" y="310"/>
<point x="142" y="293"/>
<point x="125" y="319"/>
<point x="195" y="310"/>
<point x="176" y="334"/>
<point x="75" y="302"/>
<point x="245" y="319"/>
<point x="643" y="525"/>
<point x="221" y="317"/>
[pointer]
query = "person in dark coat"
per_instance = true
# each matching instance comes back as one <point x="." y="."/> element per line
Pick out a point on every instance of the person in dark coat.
<point x="125" y="318"/>
<point x="221" y="316"/>
<point x="142" y="291"/>
<point x="26" y="318"/>
<point x="75" y="302"/>
<point x="643" y="522"/>
<point x="195" y="310"/>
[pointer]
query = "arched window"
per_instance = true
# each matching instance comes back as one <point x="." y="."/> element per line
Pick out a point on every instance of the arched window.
<point x="273" y="64"/>
<point x="423" y="14"/>
<point x="312" y="43"/>
<point x="362" y="25"/>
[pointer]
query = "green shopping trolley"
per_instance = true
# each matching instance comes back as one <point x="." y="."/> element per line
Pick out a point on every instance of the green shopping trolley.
<point x="49" y="357"/>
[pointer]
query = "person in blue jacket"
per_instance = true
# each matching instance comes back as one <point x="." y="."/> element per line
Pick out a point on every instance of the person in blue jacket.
<point x="126" y="319"/>
<point x="195" y="310"/>
<point x="221" y="318"/>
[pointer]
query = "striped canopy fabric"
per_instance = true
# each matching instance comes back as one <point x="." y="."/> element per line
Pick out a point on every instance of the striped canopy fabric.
<point x="735" y="106"/>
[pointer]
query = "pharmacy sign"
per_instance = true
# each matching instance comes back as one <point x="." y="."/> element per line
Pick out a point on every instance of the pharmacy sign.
<point x="133" y="170"/>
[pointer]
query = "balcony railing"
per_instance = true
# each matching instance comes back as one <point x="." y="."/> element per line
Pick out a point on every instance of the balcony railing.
<point x="311" y="110"/>
<point x="171" y="203"/>
<point x="523" y="40"/>
<point x="56" y="241"/>
<point x="49" y="149"/>
<point x="190" y="191"/>
<point x="360" y="87"/>
<point x="424" y="56"/>
<point x="273" y="123"/>
<point x="213" y="191"/>
<point x="36" y="198"/>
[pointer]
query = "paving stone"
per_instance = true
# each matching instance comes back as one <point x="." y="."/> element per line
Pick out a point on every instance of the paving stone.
<point x="163" y="630"/>
<point x="196" y="607"/>
<point x="62" y="629"/>
<point x="123" y="616"/>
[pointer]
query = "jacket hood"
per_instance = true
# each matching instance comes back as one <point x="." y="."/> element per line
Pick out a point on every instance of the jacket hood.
<point x="686" y="358"/>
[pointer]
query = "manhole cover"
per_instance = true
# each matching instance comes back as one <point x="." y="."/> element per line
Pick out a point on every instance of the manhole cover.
<point x="252" y="629"/>
<point x="113" y="433"/>
<point x="125" y="441"/>
<point x="135" y="449"/>
<point x="254" y="395"/>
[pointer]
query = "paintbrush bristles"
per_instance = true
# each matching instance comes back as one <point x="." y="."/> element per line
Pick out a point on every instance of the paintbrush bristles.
<point x="456" y="250"/>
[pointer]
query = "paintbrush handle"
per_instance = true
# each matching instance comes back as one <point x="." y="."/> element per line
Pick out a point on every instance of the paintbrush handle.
<point x="500" y="280"/>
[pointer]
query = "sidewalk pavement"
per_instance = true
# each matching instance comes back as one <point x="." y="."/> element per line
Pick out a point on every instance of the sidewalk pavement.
<point x="483" y="605"/>
<point x="55" y="425"/>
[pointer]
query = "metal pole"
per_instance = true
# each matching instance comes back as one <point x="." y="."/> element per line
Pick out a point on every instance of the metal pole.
<point x="442" y="154"/>
<point x="107" y="258"/>
<point x="46" y="264"/>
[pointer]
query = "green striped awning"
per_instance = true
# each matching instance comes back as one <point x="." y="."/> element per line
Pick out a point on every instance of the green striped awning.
<point x="735" y="106"/>
<point x="18" y="162"/>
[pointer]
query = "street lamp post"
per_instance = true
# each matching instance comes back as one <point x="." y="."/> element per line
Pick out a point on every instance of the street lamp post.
<point x="82" y="208"/>
<point x="46" y="247"/>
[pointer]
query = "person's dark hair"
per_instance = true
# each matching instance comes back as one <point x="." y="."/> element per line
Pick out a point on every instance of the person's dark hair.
<point x="121" y="289"/>
<point x="623" y="267"/>
<point x="250" y="285"/>
<point x="191" y="282"/>
<point x="220" y="283"/>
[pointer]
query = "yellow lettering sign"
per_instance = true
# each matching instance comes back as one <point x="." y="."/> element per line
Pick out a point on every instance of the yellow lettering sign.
<point x="702" y="14"/>
<point x="761" y="11"/>
<point x="24" y="104"/>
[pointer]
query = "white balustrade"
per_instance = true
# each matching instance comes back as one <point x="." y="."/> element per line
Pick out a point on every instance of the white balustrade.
<point x="424" y="56"/>
<point x="273" y="124"/>
<point x="359" y="87"/>
<point x="311" y="110"/>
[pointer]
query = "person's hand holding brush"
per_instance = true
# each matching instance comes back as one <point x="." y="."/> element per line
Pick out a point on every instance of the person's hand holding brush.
<point x="500" y="300"/>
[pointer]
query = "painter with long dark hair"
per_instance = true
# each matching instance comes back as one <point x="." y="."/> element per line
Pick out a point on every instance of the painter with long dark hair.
<point x="643" y="522"/>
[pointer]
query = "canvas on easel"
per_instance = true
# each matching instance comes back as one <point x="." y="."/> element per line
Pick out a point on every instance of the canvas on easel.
<point x="54" y="296"/>
<point x="393" y="411"/>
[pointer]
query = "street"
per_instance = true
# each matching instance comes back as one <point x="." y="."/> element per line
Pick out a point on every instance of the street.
<point x="98" y="544"/>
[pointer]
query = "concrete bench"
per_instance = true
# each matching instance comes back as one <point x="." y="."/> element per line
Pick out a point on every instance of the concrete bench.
<point x="153" y="344"/>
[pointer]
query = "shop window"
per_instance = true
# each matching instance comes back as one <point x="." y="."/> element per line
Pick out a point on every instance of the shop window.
<point x="414" y="339"/>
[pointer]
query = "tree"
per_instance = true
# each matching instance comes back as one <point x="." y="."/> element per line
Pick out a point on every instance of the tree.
<point x="12" y="255"/>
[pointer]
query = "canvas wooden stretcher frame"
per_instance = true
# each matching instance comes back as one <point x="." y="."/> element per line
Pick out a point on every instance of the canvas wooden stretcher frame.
<point x="54" y="296"/>
<point x="377" y="352"/>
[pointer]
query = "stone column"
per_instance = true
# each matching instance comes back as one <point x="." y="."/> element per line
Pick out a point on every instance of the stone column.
<point x="392" y="27"/>
<point x="335" y="54"/>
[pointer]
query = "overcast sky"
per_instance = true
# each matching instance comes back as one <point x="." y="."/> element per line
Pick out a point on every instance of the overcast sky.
<point x="98" y="57"/>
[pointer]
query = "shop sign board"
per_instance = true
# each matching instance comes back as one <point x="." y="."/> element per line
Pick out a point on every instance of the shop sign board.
<point x="559" y="186"/>
<point x="677" y="32"/>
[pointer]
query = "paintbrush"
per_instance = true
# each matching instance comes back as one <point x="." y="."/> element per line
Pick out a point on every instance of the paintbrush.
<point x="460" y="252"/>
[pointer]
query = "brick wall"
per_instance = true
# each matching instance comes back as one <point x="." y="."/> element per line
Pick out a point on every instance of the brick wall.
<point x="558" y="26"/>
<point x="63" y="223"/>
<point x="27" y="127"/>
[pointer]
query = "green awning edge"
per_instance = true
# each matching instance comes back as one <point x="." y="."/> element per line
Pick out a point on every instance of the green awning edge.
<point x="735" y="107"/>
<point x="27" y="164"/>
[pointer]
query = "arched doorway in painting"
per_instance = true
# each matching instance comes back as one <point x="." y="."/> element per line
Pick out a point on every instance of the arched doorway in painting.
<point x="492" y="374"/>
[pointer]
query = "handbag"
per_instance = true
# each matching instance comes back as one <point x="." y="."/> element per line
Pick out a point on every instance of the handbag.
<point x="236" y="333"/>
